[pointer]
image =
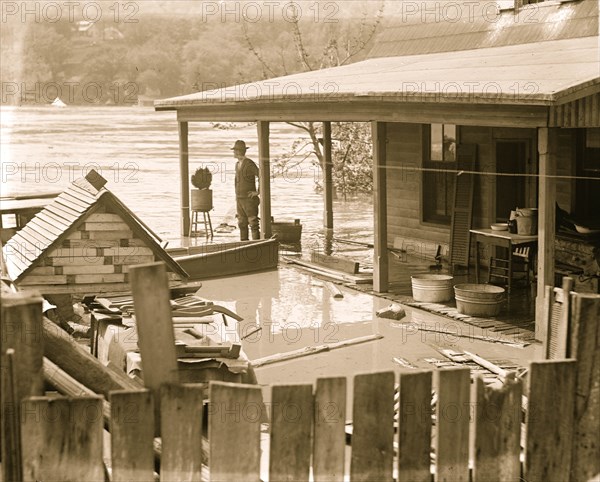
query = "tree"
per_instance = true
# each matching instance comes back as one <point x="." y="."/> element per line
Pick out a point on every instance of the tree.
<point x="340" y="45"/>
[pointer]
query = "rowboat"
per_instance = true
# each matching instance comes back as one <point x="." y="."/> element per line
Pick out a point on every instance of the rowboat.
<point x="227" y="259"/>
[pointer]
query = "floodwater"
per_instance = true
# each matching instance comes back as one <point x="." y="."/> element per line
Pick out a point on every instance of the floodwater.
<point x="136" y="149"/>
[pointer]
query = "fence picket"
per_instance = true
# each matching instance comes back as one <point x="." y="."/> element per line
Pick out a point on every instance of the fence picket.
<point x="373" y="427"/>
<point x="497" y="434"/>
<point x="181" y="432"/>
<point x="291" y="429"/>
<point x="549" y="423"/>
<point x="132" y="435"/>
<point x="330" y="437"/>
<point x="235" y="412"/>
<point x="414" y="427"/>
<point x="452" y="425"/>
<point x="68" y="432"/>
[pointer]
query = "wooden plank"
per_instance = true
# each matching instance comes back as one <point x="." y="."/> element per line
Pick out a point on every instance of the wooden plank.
<point x="109" y="235"/>
<point x="96" y="278"/>
<point x="549" y="433"/>
<point x="329" y="434"/>
<point x="497" y="433"/>
<point x="234" y="418"/>
<point x="585" y="348"/>
<point x="30" y="280"/>
<point x="547" y="149"/>
<point x="311" y="350"/>
<point x="334" y="262"/>
<point x="132" y="435"/>
<point x="82" y="269"/>
<point x="156" y="338"/>
<point x="122" y="251"/>
<point x="68" y="432"/>
<point x="120" y="226"/>
<point x="264" y="177"/>
<point x="446" y="112"/>
<point x="64" y="351"/>
<point x="452" y="429"/>
<point x="380" y="254"/>
<point x="327" y="177"/>
<point x="291" y="429"/>
<point x="181" y="432"/>
<point x="21" y="373"/>
<point x="414" y="427"/>
<point x="184" y="179"/>
<point x="104" y="218"/>
<point x="373" y="427"/>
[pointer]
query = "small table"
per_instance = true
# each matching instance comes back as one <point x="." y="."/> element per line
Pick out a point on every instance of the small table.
<point x="502" y="239"/>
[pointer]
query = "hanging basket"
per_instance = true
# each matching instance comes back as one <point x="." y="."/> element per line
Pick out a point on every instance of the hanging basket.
<point x="202" y="200"/>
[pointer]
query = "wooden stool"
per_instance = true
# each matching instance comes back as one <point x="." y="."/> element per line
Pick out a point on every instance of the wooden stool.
<point x="207" y="223"/>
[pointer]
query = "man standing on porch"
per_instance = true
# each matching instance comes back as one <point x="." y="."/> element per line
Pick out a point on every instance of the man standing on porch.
<point x="246" y="193"/>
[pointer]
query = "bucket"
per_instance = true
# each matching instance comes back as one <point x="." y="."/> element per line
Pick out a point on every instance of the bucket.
<point x="478" y="299"/>
<point x="434" y="288"/>
<point x="527" y="221"/>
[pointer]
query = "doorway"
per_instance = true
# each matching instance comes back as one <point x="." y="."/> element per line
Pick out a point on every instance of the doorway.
<point x="511" y="165"/>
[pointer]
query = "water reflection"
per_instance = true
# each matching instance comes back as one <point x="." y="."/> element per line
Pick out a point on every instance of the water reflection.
<point x="293" y="310"/>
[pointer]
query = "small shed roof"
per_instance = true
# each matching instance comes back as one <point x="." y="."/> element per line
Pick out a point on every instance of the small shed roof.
<point x="47" y="230"/>
<point x="541" y="73"/>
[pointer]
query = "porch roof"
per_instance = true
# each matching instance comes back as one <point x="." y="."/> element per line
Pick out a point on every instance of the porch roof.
<point x="540" y="74"/>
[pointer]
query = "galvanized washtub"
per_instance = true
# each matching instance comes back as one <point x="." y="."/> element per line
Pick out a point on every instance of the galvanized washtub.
<point x="435" y="288"/>
<point x="478" y="299"/>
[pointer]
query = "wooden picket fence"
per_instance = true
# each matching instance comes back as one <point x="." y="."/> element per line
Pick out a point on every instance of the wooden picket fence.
<point x="62" y="438"/>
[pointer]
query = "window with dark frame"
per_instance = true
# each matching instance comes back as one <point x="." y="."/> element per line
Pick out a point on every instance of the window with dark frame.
<point x="439" y="173"/>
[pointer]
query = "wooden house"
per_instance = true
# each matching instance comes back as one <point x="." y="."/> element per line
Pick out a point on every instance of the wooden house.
<point x="84" y="241"/>
<point x="510" y="97"/>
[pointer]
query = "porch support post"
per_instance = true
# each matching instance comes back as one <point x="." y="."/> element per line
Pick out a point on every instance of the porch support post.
<point x="547" y="148"/>
<point x="264" y="156"/>
<point x="380" y="253"/>
<point x="327" y="177"/>
<point x="184" y="171"/>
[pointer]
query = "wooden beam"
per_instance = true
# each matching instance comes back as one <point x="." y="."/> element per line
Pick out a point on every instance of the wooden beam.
<point x="497" y="431"/>
<point x="379" y="109"/>
<point x="329" y="446"/>
<point x="291" y="429"/>
<point x="132" y="435"/>
<point x="234" y="416"/>
<point x="549" y="434"/>
<point x="264" y="156"/>
<point x="181" y="432"/>
<point x="372" y="454"/>
<point x="414" y="427"/>
<point x="585" y="348"/>
<point x="452" y="424"/>
<point x="21" y="370"/>
<point x="327" y="177"/>
<point x="184" y="171"/>
<point x="547" y="152"/>
<point x="154" y="324"/>
<point x="63" y="437"/>
<point x="380" y="254"/>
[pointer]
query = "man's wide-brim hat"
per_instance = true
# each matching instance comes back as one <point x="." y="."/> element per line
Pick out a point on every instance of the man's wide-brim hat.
<point x="239" y="146"/>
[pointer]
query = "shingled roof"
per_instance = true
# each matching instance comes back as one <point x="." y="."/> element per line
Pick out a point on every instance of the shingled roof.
<point x="59" y="219"/>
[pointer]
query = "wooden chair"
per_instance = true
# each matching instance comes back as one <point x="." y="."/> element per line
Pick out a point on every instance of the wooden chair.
<point x="520" y="261"/>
